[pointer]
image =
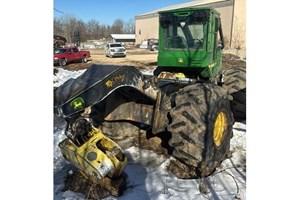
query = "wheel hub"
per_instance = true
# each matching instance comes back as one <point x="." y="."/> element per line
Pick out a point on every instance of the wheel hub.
<point x="219" y="128"/>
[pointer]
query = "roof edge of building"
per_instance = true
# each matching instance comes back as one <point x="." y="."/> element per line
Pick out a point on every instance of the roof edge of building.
<point x="123" y="36"/>
<point x="216" y="3"/>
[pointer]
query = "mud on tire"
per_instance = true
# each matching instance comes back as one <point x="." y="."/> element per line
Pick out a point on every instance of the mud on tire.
<point x="234" y="79"/>
<point x="238" y="105"/>
<point x="193" y="117"/>
<point x="235" y="83"/>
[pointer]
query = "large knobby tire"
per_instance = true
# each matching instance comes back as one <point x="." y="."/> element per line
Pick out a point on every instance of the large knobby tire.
<point x="201" y="127"/>
<point x="234" y="79"/>
<point x="238" y="105"/>
<point x="235" y="84"/>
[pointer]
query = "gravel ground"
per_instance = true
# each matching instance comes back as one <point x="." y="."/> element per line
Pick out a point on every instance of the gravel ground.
<point x="139" y="58"/>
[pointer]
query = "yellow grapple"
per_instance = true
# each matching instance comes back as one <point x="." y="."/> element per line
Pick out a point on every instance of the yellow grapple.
<point x="98" y="157"/>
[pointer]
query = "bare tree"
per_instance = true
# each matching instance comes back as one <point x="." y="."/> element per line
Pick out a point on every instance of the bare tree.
<point x="106" y="31"/>
<point x="226" y="42"/>
<point x="58" y="27"/>
<point x="238" y="35"/>
<point x="117" y="26"/>
<point x="81" y="28"/>
<point x="68" y="24"/>
<point x="93" y="29"/>
<point x="129" y="26"/>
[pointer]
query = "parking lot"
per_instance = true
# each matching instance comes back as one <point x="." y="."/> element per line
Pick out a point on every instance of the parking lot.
<point x="135" y="57"/>
<point x="141" y="58"/>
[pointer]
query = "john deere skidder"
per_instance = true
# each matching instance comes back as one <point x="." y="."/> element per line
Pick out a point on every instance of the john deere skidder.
<point x="190" y="98"/>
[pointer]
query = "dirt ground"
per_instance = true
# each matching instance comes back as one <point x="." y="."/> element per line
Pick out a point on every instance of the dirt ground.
<point x="139" y="58"/>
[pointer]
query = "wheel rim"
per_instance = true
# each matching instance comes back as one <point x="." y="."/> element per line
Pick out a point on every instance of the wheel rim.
<point x="63" y="62"/>
<point x="220" y="128"/>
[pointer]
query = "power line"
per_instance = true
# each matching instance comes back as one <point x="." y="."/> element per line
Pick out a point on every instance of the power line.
<point x="58" y="10"/>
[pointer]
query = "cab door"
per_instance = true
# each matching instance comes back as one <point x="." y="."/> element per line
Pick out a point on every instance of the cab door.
<point x="69" y="54"/>
<point x="76" y="54"/>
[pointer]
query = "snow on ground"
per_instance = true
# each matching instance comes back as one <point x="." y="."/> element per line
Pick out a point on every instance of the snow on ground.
<point x="147" y="176"/>
<point x="63" y="75"/>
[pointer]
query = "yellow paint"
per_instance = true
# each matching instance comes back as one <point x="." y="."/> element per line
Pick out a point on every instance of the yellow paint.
<point x="169" y="75"/>
<point x="118" y="78"/>
<point x="77" y="103"/>
<point x="109" y="83"/>
<point x="79" y="155"/>
<point x="179" y="75"/>
<point x="114" y="80"/>
<point x="220" y="128"/>
<point x="212" y="65"/>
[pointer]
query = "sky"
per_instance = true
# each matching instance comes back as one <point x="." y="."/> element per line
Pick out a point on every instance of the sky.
<point x="107" y="11"/>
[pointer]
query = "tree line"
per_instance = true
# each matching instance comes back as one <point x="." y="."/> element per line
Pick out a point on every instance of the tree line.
<point x="67" y="25"/>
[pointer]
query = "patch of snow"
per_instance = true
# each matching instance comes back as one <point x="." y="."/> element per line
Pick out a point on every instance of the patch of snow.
<point x="148" y="72"/>
<point x="144" y="45"/>
<point x="148" y="178"/>
<point x="147" y="175"/>
<point x="69" y="195"/>
<point x="63" y="75"/>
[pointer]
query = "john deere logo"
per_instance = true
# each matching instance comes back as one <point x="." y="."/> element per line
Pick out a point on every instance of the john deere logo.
<point x="77" y="103"/>
<point x="180" y="60"/>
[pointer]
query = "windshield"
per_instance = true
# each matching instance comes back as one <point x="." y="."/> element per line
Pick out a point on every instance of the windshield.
<point x="184" y="33"/>
<point x="115" y="45"/>
<point x="59" y="51"/>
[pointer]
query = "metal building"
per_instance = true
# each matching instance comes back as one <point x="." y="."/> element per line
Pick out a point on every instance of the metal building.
<point x="233" y="16"/>
<point x="123" y="37"/>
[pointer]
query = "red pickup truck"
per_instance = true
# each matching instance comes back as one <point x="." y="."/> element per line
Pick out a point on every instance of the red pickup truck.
<point x="64" y="55"/>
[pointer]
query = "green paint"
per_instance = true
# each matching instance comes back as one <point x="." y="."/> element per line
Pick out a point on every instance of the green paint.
<point x="188" y="39"/>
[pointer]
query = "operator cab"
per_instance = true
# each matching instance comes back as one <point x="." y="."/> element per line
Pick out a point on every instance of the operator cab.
<point x="189" y="41"/>
<point x="184" y="31"/>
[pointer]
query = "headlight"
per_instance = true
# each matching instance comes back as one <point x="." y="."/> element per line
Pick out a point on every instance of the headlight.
<point x="112" y="50"/>
<point x="55" y="58"/>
